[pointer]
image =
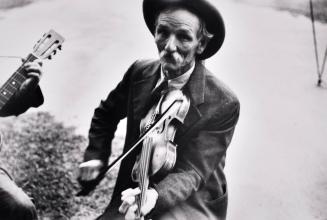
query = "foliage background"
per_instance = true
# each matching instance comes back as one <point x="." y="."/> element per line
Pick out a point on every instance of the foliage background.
<point x="42" y="155"/>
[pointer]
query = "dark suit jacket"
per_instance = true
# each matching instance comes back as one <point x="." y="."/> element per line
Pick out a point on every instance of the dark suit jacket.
<point x="196" y="188"/>
<point x="19" y="103"/>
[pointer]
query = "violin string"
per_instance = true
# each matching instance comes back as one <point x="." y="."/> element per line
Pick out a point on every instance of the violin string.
<point x="145" y="170"/>
<point x="142" y="175"/>
<point x="145" y="156"/>
<point x="143" y="162"/>
<point x="140" y="179"/>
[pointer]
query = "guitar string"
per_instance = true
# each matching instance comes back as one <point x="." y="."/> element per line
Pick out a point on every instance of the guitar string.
<point x="16" y="57"/>
<point x="17" y="72"/>
<point x="14" y="78"/>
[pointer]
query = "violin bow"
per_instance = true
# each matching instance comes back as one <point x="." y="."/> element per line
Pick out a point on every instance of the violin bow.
<point x="88" y="186"/>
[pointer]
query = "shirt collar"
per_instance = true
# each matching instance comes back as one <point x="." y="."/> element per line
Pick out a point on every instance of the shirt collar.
<point x="178" y="82"/>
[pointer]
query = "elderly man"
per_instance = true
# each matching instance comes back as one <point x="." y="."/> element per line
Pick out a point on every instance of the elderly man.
<point x="186" y="32"/>
<point x="14" y="203"/>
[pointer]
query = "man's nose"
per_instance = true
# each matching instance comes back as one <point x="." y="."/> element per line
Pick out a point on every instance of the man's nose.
<point x="171" y="44"/>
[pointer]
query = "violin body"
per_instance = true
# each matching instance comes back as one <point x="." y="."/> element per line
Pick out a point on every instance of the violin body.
<point x="163" y="150"/>
<point x="163" y="158"/>
<point x="159" y="152"/>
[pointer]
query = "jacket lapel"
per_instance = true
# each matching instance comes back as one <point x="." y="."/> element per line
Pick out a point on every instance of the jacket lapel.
<point x="195" y="90"/>
<point x="142" y="88"/>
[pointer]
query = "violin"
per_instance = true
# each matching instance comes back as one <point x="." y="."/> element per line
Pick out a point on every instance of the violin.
<point x="158" y="154"/>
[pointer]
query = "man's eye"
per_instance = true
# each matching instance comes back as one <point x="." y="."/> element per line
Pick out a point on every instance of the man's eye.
<point x="184" y="37"/>
<point x="162" y="31"/>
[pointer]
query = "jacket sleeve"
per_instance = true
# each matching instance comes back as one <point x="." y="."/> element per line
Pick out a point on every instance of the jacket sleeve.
<point x="105" y="120"/>
<point x="19" y="103"/>
<point x="198" y="159"/>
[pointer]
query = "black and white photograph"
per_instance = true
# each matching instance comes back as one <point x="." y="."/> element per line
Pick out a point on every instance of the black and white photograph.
<point x="163" y="110"/>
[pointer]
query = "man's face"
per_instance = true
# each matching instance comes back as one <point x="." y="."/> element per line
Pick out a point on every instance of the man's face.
<point x="176" y="36"/>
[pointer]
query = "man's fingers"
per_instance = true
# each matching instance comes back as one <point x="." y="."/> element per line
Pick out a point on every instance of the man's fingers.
<point x="83" y="174"/>
<point x="146" y="209"/>
<point x="94" y="174"/>
<point x="130" y="214"/>
<point x="88" y="173"/>
<point x="130" y="192"/>
<point x="122" y="208"/>
<point x="129" y="206"/>
<point x="33" y="67"/>
<point x="90" y="170"/>
<point x="91" y="163"/>
<point x="128" y="198"/>
<point x="34" y="73"/>
<point x="39" y="61"/>
<point x="34" y="76"/>
<point x="129" y="201"/>
<point x="151" y="200"/>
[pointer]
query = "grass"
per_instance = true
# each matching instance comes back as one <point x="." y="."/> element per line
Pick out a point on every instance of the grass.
<point x="43" y="157"/>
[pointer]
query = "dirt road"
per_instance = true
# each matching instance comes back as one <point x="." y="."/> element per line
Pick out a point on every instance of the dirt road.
<point x="277" y="163"/>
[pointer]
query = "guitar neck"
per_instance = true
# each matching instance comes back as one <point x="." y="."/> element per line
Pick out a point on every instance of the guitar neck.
<point x="14" y="82"/>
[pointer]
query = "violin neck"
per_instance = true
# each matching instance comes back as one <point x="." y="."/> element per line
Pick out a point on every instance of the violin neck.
<point x="144" y="164"/>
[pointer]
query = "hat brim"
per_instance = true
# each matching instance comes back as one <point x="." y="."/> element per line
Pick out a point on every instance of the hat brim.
<point x="202" y="8"/>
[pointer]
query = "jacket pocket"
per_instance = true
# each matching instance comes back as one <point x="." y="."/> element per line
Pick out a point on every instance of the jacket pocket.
<point x="218" y="206"/>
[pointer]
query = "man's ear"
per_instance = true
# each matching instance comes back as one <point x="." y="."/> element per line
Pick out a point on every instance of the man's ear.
<point x="202" y="46"/>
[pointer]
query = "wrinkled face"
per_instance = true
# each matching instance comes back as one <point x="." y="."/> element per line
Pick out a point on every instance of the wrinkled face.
<point x="176" y="36"/>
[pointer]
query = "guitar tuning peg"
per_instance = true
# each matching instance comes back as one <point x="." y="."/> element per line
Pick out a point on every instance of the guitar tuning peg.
<point x="54" y="52"/>
<point x="49" y="57"/>
<point x="60" y="47"/>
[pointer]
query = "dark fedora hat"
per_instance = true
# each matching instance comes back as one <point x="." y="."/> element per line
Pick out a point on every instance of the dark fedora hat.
<point x="202" y="8"/>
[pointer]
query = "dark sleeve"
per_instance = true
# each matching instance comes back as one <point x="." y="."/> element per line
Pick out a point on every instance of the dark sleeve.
<point x="19" y="103"/>
<point x="105" y="120"/>
<point x="198" y="160"/>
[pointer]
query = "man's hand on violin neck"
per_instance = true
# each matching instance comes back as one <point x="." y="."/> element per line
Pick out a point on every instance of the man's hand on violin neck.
<point x="129" y="206"/>
<point x="90" y="170"/>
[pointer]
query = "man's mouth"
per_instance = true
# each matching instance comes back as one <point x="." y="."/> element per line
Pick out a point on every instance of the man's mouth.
<point x="168" y="57"/>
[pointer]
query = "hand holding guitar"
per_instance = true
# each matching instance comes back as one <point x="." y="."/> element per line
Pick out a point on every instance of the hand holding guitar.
<point x="34" y="73"/>
<point x="27" y="76"/>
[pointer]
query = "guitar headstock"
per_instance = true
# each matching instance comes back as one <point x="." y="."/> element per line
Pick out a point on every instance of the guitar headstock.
<point x="48" y="45"/>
